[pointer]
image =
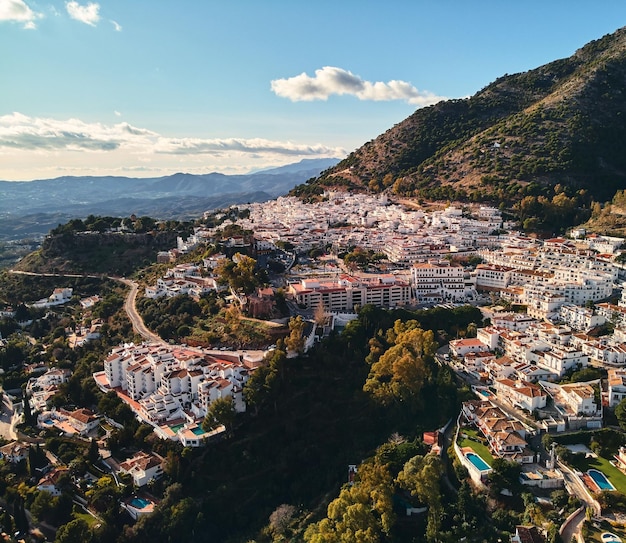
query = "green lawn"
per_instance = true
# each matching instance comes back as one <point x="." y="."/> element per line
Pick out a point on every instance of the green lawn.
<point x="615" y="476"/>
<point x="480" y="449"/>
<point x="594" y="534"/>
<point x="90" y="520"/>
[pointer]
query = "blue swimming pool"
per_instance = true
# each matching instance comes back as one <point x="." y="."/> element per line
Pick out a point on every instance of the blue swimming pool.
<point x="198" y="431"/>
<point x="478" y="462"/>
<point x="600" y="479"/>
<point x="140" y="503"/>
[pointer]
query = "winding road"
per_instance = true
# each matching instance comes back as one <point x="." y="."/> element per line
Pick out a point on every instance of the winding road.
<point x="129" y="304"/>
<point x="131" y="310"/>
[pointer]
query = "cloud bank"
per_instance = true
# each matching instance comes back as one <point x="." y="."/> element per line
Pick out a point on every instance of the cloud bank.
<point x="88" y="14"/>
<point x="24" y="133"/>
<point x="18" y="11"/>
<point x="330" y="81"/>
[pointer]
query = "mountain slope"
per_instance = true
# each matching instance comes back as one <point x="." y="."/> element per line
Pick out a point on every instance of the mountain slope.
<point x="562" y="123"/>
<point x="178" y="196"/>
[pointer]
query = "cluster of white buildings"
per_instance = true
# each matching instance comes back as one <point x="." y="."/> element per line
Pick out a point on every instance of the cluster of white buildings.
<point x="521" y="358"/>
<point x="40" y="389"/>
<point x="344" y="220"/>
<point x="545" y="275"/>
<point x="542" y="351"/>
<point x="182" y="279"/>
<point x="172" y="387"/>
<point x="505" y="435"/>
<point x="542" y="275"/>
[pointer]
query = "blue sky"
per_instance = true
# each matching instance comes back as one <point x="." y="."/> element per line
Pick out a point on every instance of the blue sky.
<point x="153" y="87"/>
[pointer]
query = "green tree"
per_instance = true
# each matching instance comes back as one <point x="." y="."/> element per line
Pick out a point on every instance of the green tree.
<point x="238" y="273"/>
<point x="75" y="531"/>
<point x="400" y="372"/>
<point x="362" y="512"/>
<point x="421" y="476"/>
<point x="221" y="411"/>
<point x="504" y="475"/>
<point x="19" y="515"/>
<point x="104" y="496"/>
<point x="42" y="505"/>
<point x="29" y="417"/>
<point x="620" y="413"/>
<point x="93" y="454"/>
<point x="7" y="522"/>
<point x="295" y="340"/>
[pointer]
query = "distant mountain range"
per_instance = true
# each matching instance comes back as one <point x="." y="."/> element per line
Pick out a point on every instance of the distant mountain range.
<point x="562" y="124"/>
<point x="34" y="207"/>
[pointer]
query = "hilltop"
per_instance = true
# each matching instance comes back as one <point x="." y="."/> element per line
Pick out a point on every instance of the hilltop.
<point x="559" y="125"/>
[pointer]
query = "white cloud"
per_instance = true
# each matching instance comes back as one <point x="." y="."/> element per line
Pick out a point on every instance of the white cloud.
<point x="31" y="134"/>
<point x="85" y="14"/>
<point x="117" y="113"/>
<point x="116" y="25"/>
<point x="331" y="80"/>
<point x="194" y="146"/>
<point x="18" y="11"/>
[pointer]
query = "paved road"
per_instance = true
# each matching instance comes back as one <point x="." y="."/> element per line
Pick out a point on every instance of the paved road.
<point x="572" y="529"/>
<point x="129" y="306"/>
<point x="92" y="276"/>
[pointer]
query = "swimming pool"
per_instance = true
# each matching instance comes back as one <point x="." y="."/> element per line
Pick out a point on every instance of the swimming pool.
<point x="140" y="503"/>
<point x="478" y="462"/>
<point x="608" y="537"/>
<point x="176" y="427"/>
<point x="198" y="430"/>
<point x="600" y="479"/>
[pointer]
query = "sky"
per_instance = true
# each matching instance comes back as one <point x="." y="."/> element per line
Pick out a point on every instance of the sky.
<point x="145" y="88"/>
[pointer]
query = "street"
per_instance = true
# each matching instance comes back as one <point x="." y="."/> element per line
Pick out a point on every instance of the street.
<point x="129" y="306"/>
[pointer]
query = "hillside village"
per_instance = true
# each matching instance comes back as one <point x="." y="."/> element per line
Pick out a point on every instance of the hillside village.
<point x="551" y="309"/>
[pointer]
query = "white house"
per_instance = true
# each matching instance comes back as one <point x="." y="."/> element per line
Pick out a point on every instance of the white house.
<point x="617" y="386"/>
<point x="580" y="318"/>
<point x="580" y="397"/>
<point x="48" y="483"/>
<point x="493" y="276"/>
<point x="460" y="347"/>
<point x="83" y="420"/>
<point x="490" y="336"/>
<point x="15" y="452"/>
<point x="143" y="468"/>
<point x="439" y="281"/>
<point x="521" y="394"/>
<point x="60" y="295"/>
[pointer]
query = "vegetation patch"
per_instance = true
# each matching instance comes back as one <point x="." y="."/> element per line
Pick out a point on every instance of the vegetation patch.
<point x="475" y="442"/>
